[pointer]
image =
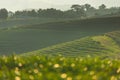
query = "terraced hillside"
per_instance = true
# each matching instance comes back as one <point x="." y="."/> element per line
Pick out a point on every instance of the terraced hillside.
<point x="102" y="45"/>
<point x="115" y="35"/>
<point x="28" y="38"/>
<point x="44" y="67"/>
<point x="104" y="66"/>
<point x="104" y="49"/>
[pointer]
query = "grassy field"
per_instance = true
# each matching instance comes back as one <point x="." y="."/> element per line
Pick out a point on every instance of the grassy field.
<point x="26" y="38"/>
<point x="15" y="22"/>
<point x="115" y="35"/>
<point x="72" y="50"/>
<point x="58" y="68"/>
<point x="101" y="45"/>
<point x="20" y="41"/>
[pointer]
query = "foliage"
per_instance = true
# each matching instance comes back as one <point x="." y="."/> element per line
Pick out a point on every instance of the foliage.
<point x="102" y="7"/>
<point x="58" y="68"/>
<point x="3" y="13"/>
<point x="76" y="11"/>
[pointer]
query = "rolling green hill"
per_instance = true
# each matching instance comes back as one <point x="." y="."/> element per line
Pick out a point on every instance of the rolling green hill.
<point x="115" y="35"/>
<point x="104" y="66"/>
<point x="15" y="22"/>
<point x="102" y="45"/>
<point x="31" y="37"/>
<point x="44" y="67"/>
<point x="95" y="24"/>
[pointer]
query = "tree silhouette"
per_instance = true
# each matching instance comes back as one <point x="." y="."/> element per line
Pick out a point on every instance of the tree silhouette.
<point x="3" y="13"/>
<point x="79" y="9"/>
<point x="87" y="7"/>
<point x="102" y="7"/>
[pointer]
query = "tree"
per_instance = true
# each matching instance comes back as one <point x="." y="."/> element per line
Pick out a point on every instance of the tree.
<point x="87" y="7"/>
<point x="32" y="13"/>
<point x="3" y="13"/>
<point x="10" y="14"/>
<point x="79" y="9"/>
<point x="70" y="14"/>
<point x="119" y="10"/>
<point x="102" y="7"/>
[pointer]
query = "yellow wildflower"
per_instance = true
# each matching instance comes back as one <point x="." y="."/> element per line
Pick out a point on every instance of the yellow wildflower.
<point x="56" y="66"/>
<point x="20" y="65"/>
<point x="85" y="69"/>
<point x="113" y="78"/>
<point x="92" y="73"/>
<point x="118" y="71"/>
<point x="31" y="77"/>
<point x="64" y="75"/>
<point x="72" y="65"/>
<point x="17" y="78"/>
<point x="69" y="78"/>
<point x="36" y="71"/>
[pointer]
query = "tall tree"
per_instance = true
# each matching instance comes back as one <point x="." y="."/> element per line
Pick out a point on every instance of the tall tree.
<point x="33" y="13"/>
<point x="102" y="7"/>
<point x="87" y="7"/>
<point x="79" y="9"/>
<point x="3" y="13"/>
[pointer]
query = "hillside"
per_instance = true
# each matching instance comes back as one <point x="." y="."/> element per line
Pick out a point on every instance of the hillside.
<point x="44" y="67"/>
<point x="114" y="35"/>
<point x="75" y="55"/>
<point x="16" y="22"/>
<point x="106" y="24"/>
<point x="38" y="35"/>
<point x="101" y="45"/>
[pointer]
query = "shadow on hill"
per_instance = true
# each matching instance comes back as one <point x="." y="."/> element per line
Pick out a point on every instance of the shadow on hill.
<point x="95" y="24"/>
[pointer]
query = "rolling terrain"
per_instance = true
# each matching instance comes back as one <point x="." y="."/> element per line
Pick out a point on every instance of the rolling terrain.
<point x="91" y="54"/>
<point x="15" y="22"/>
<point x="94" y="58"/>
<point x="106" y="24"/>
<point x="101" y="45"/>
<point x="26" y="38"/>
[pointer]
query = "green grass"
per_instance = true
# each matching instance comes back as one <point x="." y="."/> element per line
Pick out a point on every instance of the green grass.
<point x="101" y="45"/>
<point x="20" y="41"/>
<point x="58" y="68"/>
<point x="16" y="22"/>
<point x="95" y="24"/>
<point x="34" y="35"/>
<point x="95" y="57"/>
<point x="115" y="35"/>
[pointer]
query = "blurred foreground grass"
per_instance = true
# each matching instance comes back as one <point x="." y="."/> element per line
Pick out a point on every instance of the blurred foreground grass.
<point x="58" y="68"/>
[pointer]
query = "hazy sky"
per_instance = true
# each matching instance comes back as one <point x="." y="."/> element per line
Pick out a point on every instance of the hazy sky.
<point x="60" y="4"/>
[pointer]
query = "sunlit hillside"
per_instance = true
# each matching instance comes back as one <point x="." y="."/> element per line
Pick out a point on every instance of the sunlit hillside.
<point x="101" y="45"/>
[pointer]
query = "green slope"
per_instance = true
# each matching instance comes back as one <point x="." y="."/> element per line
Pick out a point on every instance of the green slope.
<point x="33" y="37"/>
<point x="21" y="40"/>
<point x="16" y="22"/>
<point x="95" y="24"/>
<point x="102" y="45"/>
<point x="115" y="35"/>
